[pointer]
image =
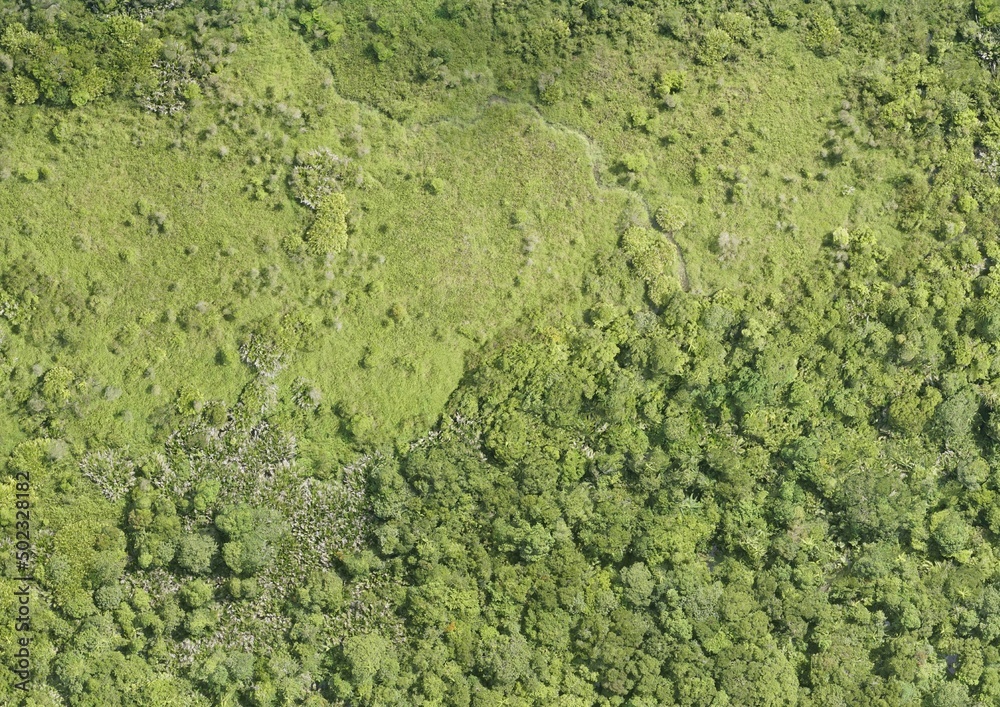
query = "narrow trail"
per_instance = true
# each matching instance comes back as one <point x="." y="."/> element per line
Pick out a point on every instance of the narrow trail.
<point x="592" y="149"/>
<point x="597" y="164"/>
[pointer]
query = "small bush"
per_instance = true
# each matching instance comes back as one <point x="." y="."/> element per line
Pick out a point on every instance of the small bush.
<point x="738" y="26"/>
<point x="381" y="51"/>
<point x="25" y="90"/>
<point x="822" y="34"/>
<point x="670" y="82"/>
<point x="550" y="93"/>
<point x="638" y="116"/>
<point x="398" y="313"/>
<point x="319" y="174"/>
<point x="841" y="237"/>
<point x="700" y="174"/>
<point x="652" y="256"/>
<point x="635" y="162"/>
<point x="671" y="217"/>
<point x="715" y="45"/>
<point x="328" y="233"/>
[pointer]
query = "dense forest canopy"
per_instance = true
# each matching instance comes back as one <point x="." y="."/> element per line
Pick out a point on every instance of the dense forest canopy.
<point x="500" y="352"/>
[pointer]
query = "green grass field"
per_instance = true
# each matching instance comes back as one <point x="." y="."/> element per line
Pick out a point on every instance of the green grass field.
<point x="497" y="353"/>
<point x="429" y="272"/>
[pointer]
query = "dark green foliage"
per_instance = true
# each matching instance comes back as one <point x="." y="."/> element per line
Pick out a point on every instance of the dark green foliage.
<point x="715" y="46"/>
<point x="503" y="353"/>
<point x="195" y="553"/>
<point x="821" y="32"/>
<point x="74" y="56"/>
<point x="250" y="537"/>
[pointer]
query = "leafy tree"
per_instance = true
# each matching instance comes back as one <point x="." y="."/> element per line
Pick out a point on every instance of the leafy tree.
<point x="251" y="537"/>
<point x="195" y="552"/>
<point x="822" y="34"/>
<point x="715" y="45"/>
<point x="950" y="531"/>
<point x="368" y="659"/>
<point x="738" y="26"/>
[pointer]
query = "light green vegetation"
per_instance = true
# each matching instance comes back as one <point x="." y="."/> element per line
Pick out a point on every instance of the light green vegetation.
<point x="765" y="144"/>
<point x="166" y="255"/>
<point x="499" y="352"/>
<point x="740" y="148"/>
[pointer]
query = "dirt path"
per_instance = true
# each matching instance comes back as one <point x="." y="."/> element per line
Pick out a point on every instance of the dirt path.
<point x="594" y="154"/>
<point x="596" y="157"/>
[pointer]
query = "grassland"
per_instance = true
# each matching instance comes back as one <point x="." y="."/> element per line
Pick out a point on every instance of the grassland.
<point x="460" y="227"/>
<point x="477" y="353"/>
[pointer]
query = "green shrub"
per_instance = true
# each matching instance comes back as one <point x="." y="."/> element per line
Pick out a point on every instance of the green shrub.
<point x="638" y="117"/>
<point x="328" y="232"/>
<point x="822" y="34"/>
<point x="382" y="51"/>
<point x="25" y="90"/>
<point x="652" y="256"/>
<point x="195" y="552"/>
<point x="738" y="26"/>
<point x="671" y="216"/>
<point x="700" y="174"/>
<point x="635" y="162"/>
<point x="550" y="92"/>
<point x="670" y="82"/>
<point x="716" y="44"/>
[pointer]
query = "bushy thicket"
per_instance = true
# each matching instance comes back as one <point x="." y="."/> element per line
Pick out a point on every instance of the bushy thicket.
<point x="784" y="495"/>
